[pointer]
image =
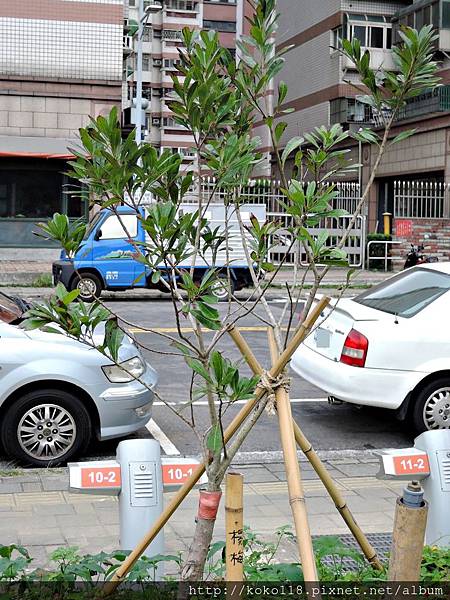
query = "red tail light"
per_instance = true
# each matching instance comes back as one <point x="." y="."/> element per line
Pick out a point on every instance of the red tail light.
<point x="355" y="348"/>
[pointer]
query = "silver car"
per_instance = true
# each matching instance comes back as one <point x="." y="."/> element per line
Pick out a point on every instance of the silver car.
<point x="57" y="394"/>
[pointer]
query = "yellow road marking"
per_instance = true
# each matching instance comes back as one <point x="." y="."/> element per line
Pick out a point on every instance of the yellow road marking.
<point x="190" y="330"/>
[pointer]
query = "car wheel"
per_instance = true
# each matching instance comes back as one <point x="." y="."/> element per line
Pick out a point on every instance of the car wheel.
<point x="89" y="286"/>
<point x="224" y="288"/>
<point x="45" y="428"/>
<point x="431" y="409"/>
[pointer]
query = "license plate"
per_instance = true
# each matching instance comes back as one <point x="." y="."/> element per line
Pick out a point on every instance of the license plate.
<point x="322" y="338"/>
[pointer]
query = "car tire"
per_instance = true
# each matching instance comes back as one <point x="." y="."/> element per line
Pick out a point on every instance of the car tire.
<point x="89" y="286"/>
<point x="431" y="406"/>
<point x="58" y="416"/>
<point x="224" y="288"/>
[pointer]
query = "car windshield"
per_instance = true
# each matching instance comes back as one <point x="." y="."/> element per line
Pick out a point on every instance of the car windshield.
<point x="10" y="311"/>
<point x="408" y="293"/>
<point x="92" y="225"/>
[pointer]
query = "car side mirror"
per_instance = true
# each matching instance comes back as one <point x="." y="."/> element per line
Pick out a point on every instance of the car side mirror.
<point x="98" y="234"/>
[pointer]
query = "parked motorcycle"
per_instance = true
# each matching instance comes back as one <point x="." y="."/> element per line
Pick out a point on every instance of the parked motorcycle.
<point x="416" y="257"/>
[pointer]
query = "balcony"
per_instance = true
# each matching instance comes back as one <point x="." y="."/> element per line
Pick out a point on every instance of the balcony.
<point x="349" y="110"/>
<point x="379" y="58"/>
<point x="172" y="35"/>
<point x="434" y="101"/>
<point x="426" y="12"/>
<point x="181" y="5"/>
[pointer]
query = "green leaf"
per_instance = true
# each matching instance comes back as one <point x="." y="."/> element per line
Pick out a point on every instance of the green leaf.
<point x="404" y="135"/>
<point x="214" y="439"/>
<point x="70" y="297"/>
<point x="210" y="324"/>
<point x="156" y="276"/>
<point x="279" y="130"/>
<point x="282" y="92"/>
<point x="197" y="366"/>
<point x="113" y="338"/>
<point x="366" y="135"/>
<point x="217" y="363"/>
<point x="292" y="145"/>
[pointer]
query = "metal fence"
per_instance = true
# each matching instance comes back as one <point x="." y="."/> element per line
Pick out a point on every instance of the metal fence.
<point x="421" y="199"/>
<point x="269" y="192"/>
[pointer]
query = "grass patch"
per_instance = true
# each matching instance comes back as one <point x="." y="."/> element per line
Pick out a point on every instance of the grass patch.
<point x="10" y="472"/>
<point x="42" y="280"/>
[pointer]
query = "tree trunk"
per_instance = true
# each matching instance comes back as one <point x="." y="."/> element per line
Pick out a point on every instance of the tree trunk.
<point x="195" y="563"/>
<point x="206" y="518"/>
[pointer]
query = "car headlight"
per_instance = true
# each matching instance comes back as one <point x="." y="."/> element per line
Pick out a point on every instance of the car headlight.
<point x="125" y="372"/>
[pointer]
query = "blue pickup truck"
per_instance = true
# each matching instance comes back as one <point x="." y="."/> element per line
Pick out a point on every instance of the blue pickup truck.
<point x="105" y="259"/>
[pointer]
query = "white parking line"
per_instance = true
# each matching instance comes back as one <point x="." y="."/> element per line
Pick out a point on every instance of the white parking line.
<point x="159" y="435"/>
<point x="205" y="403"/>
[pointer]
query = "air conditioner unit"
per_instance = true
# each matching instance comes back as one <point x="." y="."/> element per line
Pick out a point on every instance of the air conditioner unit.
<point x="156" y="121"/>
<point x="157" y="62"/>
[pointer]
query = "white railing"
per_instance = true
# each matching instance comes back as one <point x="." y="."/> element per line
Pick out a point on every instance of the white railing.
<point x="269" y="192"/>
<point x="386" y="258"/>
<point x="421" y="200"/>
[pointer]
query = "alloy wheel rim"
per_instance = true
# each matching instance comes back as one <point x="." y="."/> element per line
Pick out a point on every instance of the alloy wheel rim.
<point x="436" y="411"/>
<point x="86" y="287"/>
<point x="46" y="431"/>
<point x="220" y="289"/>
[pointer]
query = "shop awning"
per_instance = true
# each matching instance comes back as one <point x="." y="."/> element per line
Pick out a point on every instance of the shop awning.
<point x="35" y="147"/>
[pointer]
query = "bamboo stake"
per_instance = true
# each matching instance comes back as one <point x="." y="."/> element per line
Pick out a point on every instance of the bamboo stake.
<point x="181" y="494"/>
<point x="294" y="481"/>
<point x="234" y="527"/>
<point x="307" y="448"/>
<point x="338" y="499"/>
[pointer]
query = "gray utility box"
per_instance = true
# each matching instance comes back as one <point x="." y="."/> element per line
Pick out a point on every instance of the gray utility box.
<point x="436" y="487"/>
<point x="141" y="495"/>
<point x="429" y="463"/>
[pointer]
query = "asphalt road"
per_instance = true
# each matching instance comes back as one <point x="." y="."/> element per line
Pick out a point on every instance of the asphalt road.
<point x="341" y="428"/>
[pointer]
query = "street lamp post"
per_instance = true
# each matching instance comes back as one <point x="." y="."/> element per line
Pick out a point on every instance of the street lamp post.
<point x="143" y="15"/>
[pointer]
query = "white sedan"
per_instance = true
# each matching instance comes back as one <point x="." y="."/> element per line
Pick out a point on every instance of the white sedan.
<point x="388" y="347"/>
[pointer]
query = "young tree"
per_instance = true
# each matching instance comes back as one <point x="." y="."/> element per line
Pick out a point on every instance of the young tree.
<point x="219" y="102"/>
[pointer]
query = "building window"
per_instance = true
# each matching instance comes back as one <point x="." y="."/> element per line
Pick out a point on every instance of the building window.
<point x="147" y="34"/>
<point x="171" y="63"/>
<point x="222" y="1"/>
<point x="336" y="38"/>
<point x="157" y="33"/>
<point x="373" y="31"/>
<point x="229" y="26"/>
<point x="446" y="15"/>
<point x="376" y="37"/>
<point x="146" y="62"/>
<point x="388" y="39"/>
<point x="359" y="33"/>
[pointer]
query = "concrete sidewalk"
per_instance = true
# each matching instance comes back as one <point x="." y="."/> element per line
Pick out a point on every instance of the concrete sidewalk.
<point x="19" y="273"/>
<point x="37" y="511"/>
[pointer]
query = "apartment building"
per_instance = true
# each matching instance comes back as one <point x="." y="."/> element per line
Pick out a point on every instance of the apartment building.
<point x="161" y="42"/>
<point x="61" y="62"/>
<point x="412" y="181"/>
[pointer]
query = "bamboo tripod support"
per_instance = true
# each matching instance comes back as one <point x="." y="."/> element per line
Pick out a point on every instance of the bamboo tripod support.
<point x="299" y="335"/>
<point x="307" y="448"/>
<point x="294" y="481"/>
